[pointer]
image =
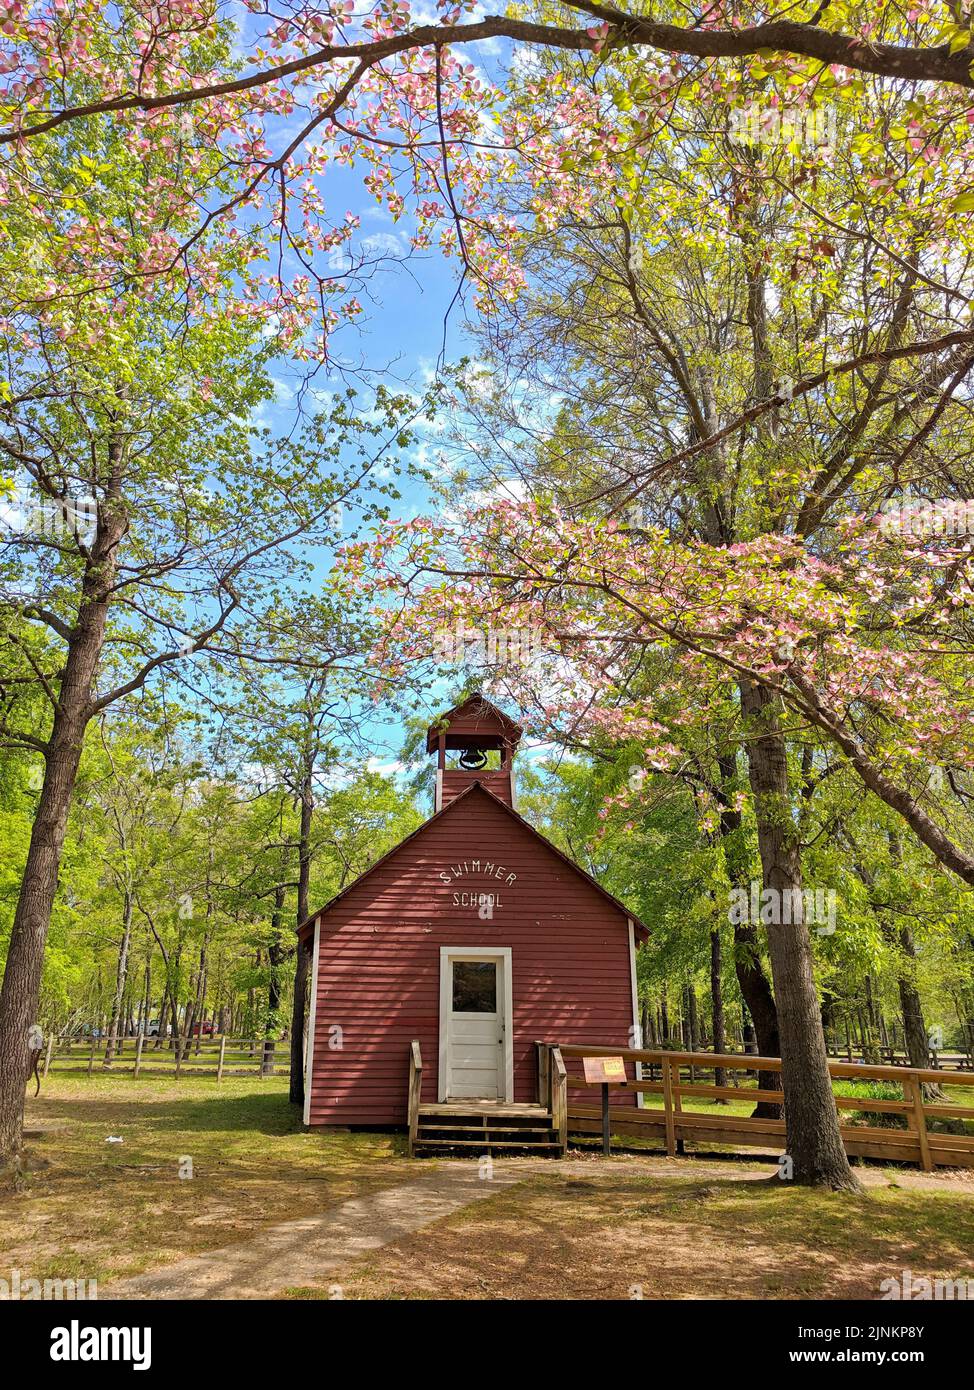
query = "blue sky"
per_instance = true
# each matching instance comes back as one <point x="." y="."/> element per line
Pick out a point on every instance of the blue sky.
<point x="400" y="339"/>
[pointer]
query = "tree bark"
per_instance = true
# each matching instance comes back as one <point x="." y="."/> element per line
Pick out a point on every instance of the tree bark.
<point x="751" y="980"/>
<point x="20" y="991"/>
<point x="302" y="962"/>
<point x="911" y="1006"/>
<point x="717" y="1003"/>
<point x="275" y="958"/>
<point x="811" y="1118"/>
<point x="915" y="1036"/>
<point x="121" y="979"/>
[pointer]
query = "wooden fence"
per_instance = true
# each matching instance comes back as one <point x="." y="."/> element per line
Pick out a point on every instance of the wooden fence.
<point x="676" y="1121"/>
<point x="145" y="1056"/>
<point x="893" y="1057"/>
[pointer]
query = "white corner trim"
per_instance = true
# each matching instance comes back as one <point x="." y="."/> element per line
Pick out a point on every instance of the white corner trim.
<point x="503" y="955"/>
<point x="438" y="794"/>
<point x="312" y="1011"/>
<point x="636" y="1031"/>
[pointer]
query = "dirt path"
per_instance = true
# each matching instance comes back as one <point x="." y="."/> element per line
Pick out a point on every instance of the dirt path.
<point x="303" y="1253"/>
<point x="312" y="1252"/>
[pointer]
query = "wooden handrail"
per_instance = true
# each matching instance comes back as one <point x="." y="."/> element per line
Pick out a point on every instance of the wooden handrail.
<point x="737" y="1061"/>
<point x="673" y="1088"/>
<point x="415" y="1090"/>
<point x="558" y="1075"/>
<point x="544" y="1075"/>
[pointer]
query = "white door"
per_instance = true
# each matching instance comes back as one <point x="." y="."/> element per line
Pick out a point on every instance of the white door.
<point x="474" y="1040"/>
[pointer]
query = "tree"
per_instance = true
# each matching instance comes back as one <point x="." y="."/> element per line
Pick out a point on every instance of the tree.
<point x="152" y="523"/>
<point x="403" y="101"/>
<point x="678" y="329"/>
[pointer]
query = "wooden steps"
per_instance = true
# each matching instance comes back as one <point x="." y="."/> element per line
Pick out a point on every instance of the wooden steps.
<point x="482" y="1144"/>
<point x="484" y="1126"/>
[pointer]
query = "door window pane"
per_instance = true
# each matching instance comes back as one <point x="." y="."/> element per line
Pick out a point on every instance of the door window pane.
<point x="474" y="987"/>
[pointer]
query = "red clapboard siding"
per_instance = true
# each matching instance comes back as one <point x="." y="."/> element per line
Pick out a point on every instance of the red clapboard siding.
<point x="497" y="781"/>
<point x="379" y="960"/>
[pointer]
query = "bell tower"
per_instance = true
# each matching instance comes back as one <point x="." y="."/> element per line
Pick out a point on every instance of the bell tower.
<point x="473" y="742"/>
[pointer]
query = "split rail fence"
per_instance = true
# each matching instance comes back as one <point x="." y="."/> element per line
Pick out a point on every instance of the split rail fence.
<point x="147" y="1056"/>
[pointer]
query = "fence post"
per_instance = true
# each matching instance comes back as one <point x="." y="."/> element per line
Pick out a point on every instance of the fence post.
<point x="91" y="1056"/>
<point x="179" y="1057"/>
<point x="668" y="1107"/>
<point x="223" y="1048"/>
<point x="138" y="1053"/>
<point x="914" y="1090"/>
<point x="47" y="1055"/>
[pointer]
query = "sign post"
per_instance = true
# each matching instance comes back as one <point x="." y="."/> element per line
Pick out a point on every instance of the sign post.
<point x="606" y="1072"/>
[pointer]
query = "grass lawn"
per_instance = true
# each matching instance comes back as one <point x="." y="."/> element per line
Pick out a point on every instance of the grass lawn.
<point x="101" y="1210"/>
<point x="580" y="1229"/>
<point x="625" y="1229"/>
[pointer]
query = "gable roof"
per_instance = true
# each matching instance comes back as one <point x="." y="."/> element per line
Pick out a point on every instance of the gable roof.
<point x="479" y="710"/>
<point x="476" y="786"/>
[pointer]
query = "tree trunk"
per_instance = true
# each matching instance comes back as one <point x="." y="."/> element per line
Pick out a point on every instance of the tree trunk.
<point x="20" y="991"/>
<point x="194" y="1008"/>
<point x="811" y="1118"/>
<point x="121" y="980"/>
<point x="275" y="958"/>
<point x="693" y="1018"/>
<point x="914" y="1025"/>
<point x="717" y="1004"/>
<point x="915" y="1036"/>
<point x="751" y="980"/>
<point x="163" y="1006"/>
<point x="302" y="962"/>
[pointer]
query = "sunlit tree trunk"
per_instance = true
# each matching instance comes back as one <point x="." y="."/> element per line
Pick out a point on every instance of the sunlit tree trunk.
<point x="20" y="991"/>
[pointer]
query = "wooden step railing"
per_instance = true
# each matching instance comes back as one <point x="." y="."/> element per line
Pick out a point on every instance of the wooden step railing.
<point x="553" y="1089"/>
<point x="675" y="1123"/>
<point x="415" y="1090"/>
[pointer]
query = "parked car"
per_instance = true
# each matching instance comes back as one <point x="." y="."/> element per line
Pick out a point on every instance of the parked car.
<point x="203" y="1030"/>
<point x="152" y="1029"/>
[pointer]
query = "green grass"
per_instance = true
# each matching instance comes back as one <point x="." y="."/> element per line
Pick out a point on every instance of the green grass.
<point x="586" y="1229"/>
<point x="101" y="1210"/>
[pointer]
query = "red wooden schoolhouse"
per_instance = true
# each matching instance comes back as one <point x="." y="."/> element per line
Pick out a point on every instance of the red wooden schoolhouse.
<point x="440" y="969"/>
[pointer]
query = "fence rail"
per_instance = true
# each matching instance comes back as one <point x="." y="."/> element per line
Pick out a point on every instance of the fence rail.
<point x="949" y="1060"/>
<point x="675" y="1122"/>
<point x="148" y="1056"/>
